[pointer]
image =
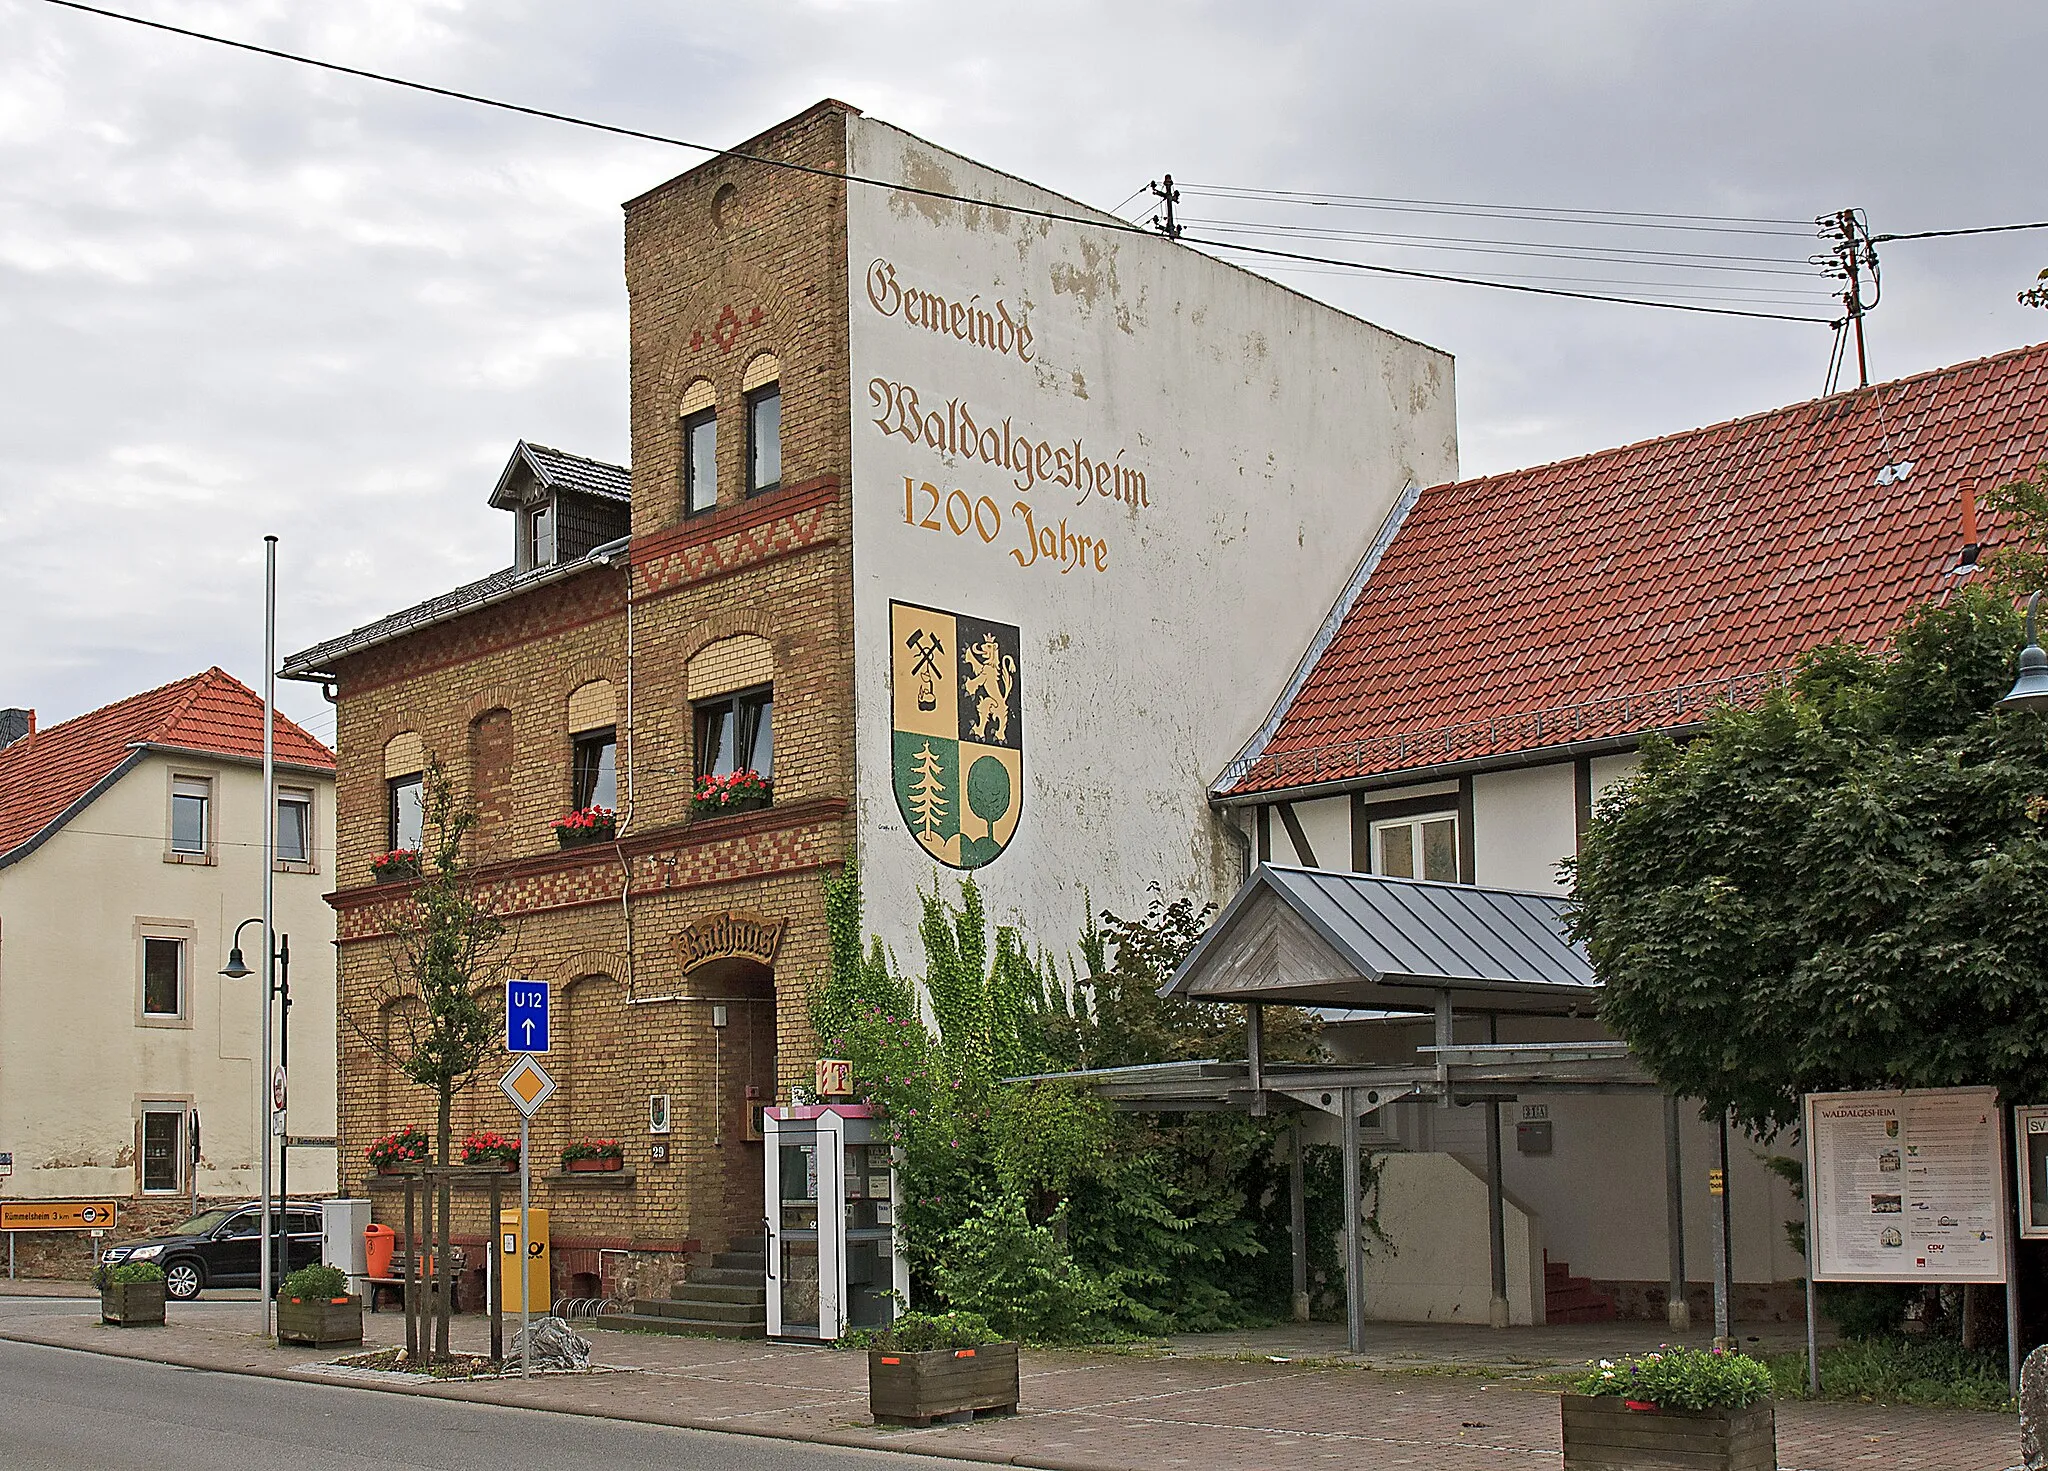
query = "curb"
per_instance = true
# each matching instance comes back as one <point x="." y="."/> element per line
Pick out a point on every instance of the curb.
<point x="463" y="1393"/>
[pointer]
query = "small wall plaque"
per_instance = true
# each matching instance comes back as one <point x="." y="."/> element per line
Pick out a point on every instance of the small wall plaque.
<point x="657" y="1154"/>
<point x="657" y="1113"/>
<point x="1533" y="1137"/>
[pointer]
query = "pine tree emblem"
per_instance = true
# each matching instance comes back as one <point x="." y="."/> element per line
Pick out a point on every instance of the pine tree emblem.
<point x="928" y="795"/>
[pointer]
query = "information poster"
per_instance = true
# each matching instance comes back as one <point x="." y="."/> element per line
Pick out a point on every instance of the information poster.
<point x="2030" y="1127"/>
<point x="1906" y="1186"/>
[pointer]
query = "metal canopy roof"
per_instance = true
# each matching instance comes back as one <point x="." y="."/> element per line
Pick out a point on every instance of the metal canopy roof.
<point x="1312" y="937"/>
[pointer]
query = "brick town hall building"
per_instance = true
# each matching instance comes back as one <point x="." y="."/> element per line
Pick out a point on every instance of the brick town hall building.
<point x="974" y="527"/>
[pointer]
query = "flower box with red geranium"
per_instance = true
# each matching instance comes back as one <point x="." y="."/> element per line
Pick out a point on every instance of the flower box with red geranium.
<point x="588" y="1155"/>
<point x="395" y="1152"/>
<point x="741" y="791"/>
<point x="489" y="1147"/>
<point x="587" y="825"/>
<point x="397" y="865"/>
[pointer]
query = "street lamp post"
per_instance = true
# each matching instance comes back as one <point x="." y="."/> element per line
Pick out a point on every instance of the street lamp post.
<point x="280" y="970"/>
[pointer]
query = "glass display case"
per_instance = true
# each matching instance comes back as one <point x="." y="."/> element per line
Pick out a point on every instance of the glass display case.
<point x="832" y="1199"/>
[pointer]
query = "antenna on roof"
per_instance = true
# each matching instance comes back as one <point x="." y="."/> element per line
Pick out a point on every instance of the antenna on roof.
<point x="1166" y="224"/>
<point x="1851" y="252"/>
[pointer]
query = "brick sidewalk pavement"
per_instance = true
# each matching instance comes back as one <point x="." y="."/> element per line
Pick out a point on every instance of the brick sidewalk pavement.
<point x="1081" y="1411"/>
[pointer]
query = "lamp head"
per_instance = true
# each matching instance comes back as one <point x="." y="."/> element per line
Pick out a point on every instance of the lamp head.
<point x="2030" y="690"/>
<point x="234" y="970"/>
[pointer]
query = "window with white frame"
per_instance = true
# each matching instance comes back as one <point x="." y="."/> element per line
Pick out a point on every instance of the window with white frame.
<point x="163" y="978"/>
<point x="405" y="811"/>
<point x="1424" y="847"/>
<point x="294" y="825"/>
<point x="163" y="1148"/>
<point x="191" y="815"/>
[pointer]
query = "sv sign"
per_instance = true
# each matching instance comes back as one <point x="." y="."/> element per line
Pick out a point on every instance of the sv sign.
<point x="526" y="1016"/>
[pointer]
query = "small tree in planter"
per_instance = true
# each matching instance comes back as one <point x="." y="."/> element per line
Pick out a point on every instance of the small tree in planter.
<point x="489" y="1147"/>
<point x="934" y="1366"/>
<point x="1679" y="1406"/>
<point x="131" y="1294"/>
<point x="315" y="1306"/>
<point x="742" y="791"/>
<point x="594" y="1154"/>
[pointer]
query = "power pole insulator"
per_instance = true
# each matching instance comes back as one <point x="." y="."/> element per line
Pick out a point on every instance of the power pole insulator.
<point x="1165" y="223"/>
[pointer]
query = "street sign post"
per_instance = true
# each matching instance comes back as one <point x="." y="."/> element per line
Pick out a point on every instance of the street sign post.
<point x="526" y="1016"/>
<point x="528" y="1086"/>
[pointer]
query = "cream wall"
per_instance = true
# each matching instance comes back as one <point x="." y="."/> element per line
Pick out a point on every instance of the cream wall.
<point x="1526" y="822"/>
<point x="1273" y="434"/>
<point x="76" y="1062"/>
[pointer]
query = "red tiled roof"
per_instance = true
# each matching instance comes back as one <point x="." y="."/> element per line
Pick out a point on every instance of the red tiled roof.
<point x="43" y="774"/>
<point x="1627" y="590"/>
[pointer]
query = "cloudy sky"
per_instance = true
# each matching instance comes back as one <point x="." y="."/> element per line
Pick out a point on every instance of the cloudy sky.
<point x="238" y="296"/>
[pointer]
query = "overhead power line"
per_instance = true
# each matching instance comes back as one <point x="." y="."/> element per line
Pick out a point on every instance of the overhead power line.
<point x="1379" y="270"/>
<point x="1535" y="213"/>
<point x="1094" y="221"/>
<point x="1972" y="230"/>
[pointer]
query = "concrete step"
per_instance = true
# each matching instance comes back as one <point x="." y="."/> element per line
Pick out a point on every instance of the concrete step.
<point x="748" y="1245"/>
<point x="742" y="1261"/>
<point x="696" y="1309"/>
<point x="699" y="1291"/>
<point x="653" y="1323"/>
<point x="722" y="1277"/>
<point x="1602" y="1312"/>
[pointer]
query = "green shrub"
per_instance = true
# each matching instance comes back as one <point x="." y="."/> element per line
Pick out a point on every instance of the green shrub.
<point x="1901" y="1371"/>
<point x="314" y="1284"/>
<point x="1021" y="1278"/>
<point x="1682" y="1379"/>
<point x="104" y="1276"/>
<point x="1867" y="1309"/>
<point x="917" y="1333"/>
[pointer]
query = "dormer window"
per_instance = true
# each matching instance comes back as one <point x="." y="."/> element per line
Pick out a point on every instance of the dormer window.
<point x="537" y="534"/>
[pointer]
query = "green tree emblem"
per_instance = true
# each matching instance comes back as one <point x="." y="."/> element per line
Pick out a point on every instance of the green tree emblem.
<point x="988" y="791"/>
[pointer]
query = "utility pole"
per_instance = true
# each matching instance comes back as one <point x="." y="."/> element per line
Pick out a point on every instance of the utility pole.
<point x="1166" y="224"/>
<point x="1850" y="254"/>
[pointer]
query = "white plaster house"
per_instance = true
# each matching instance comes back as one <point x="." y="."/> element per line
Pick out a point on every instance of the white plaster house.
<point x="1491" y="670"/>
<point x="131" y="844"/>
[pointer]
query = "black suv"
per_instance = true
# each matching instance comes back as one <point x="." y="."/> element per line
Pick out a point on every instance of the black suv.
<point x="219" y="1248"/>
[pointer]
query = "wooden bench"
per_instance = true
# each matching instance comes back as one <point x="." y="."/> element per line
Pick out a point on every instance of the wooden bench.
<point x="401" y="1263"/>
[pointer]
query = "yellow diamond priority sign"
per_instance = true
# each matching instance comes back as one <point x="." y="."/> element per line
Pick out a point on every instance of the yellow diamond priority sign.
<point x="527" y="1085"/>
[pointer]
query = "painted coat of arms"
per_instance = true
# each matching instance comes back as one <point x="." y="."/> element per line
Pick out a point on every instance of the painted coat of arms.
<point x="959" y="732"/>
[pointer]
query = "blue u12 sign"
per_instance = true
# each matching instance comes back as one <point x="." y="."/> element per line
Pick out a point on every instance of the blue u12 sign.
<point x="526" y="1016"/>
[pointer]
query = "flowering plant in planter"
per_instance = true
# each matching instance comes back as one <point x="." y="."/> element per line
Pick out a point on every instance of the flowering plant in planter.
<point x="587" y="825"/>
<point x="488" y="1146"/>
<point x="399" y="863"/>
<point x="741" y="791"/>
<point x="409" y="1146"/>
<point x="1680" y="1379"/>
<point x="594" y="1154"/>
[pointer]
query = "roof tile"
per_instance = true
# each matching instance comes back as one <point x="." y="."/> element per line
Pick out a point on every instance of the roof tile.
<point x="1627" y="590"/>
<point x="42" y="775"/>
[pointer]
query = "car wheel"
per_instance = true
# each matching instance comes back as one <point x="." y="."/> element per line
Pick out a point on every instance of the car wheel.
<point x="182" y="1280"/>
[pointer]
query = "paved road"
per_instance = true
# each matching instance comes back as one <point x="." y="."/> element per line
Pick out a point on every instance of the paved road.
<point x="60" y="1409"/>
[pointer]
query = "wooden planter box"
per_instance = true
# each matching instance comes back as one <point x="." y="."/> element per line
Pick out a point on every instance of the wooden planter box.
<point x="593" y="1166"/>
<point x="1602" y="1434"/>
<point x="916" y="1389"/>
<point x="132" y="1304"/>
<point x="583" y="837"/>
<point x="319" y="1322"/>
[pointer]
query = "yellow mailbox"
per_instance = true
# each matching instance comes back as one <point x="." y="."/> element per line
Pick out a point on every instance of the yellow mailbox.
<point x="536" y="1254"/>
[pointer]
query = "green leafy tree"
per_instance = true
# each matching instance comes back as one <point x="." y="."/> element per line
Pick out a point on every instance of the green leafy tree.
<point x="444" y="998"/>
<point x="1846" y="887"/>
<point x="2036" y="295"/>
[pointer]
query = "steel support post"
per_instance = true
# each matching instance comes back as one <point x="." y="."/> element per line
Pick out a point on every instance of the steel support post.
<point x="1297" y="1219"/>
<point x="1354" y="1230"/>
<point x="1496" y="1220"/>
<point x="1677" y="1312"/>
<point x="1255" y="1056"/>
<point x="1445" y="1028"/>
<point x="1724" y="1275"/>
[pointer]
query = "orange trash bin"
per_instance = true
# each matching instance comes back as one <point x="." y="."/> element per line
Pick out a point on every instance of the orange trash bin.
<point x="379" y="1243"/>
